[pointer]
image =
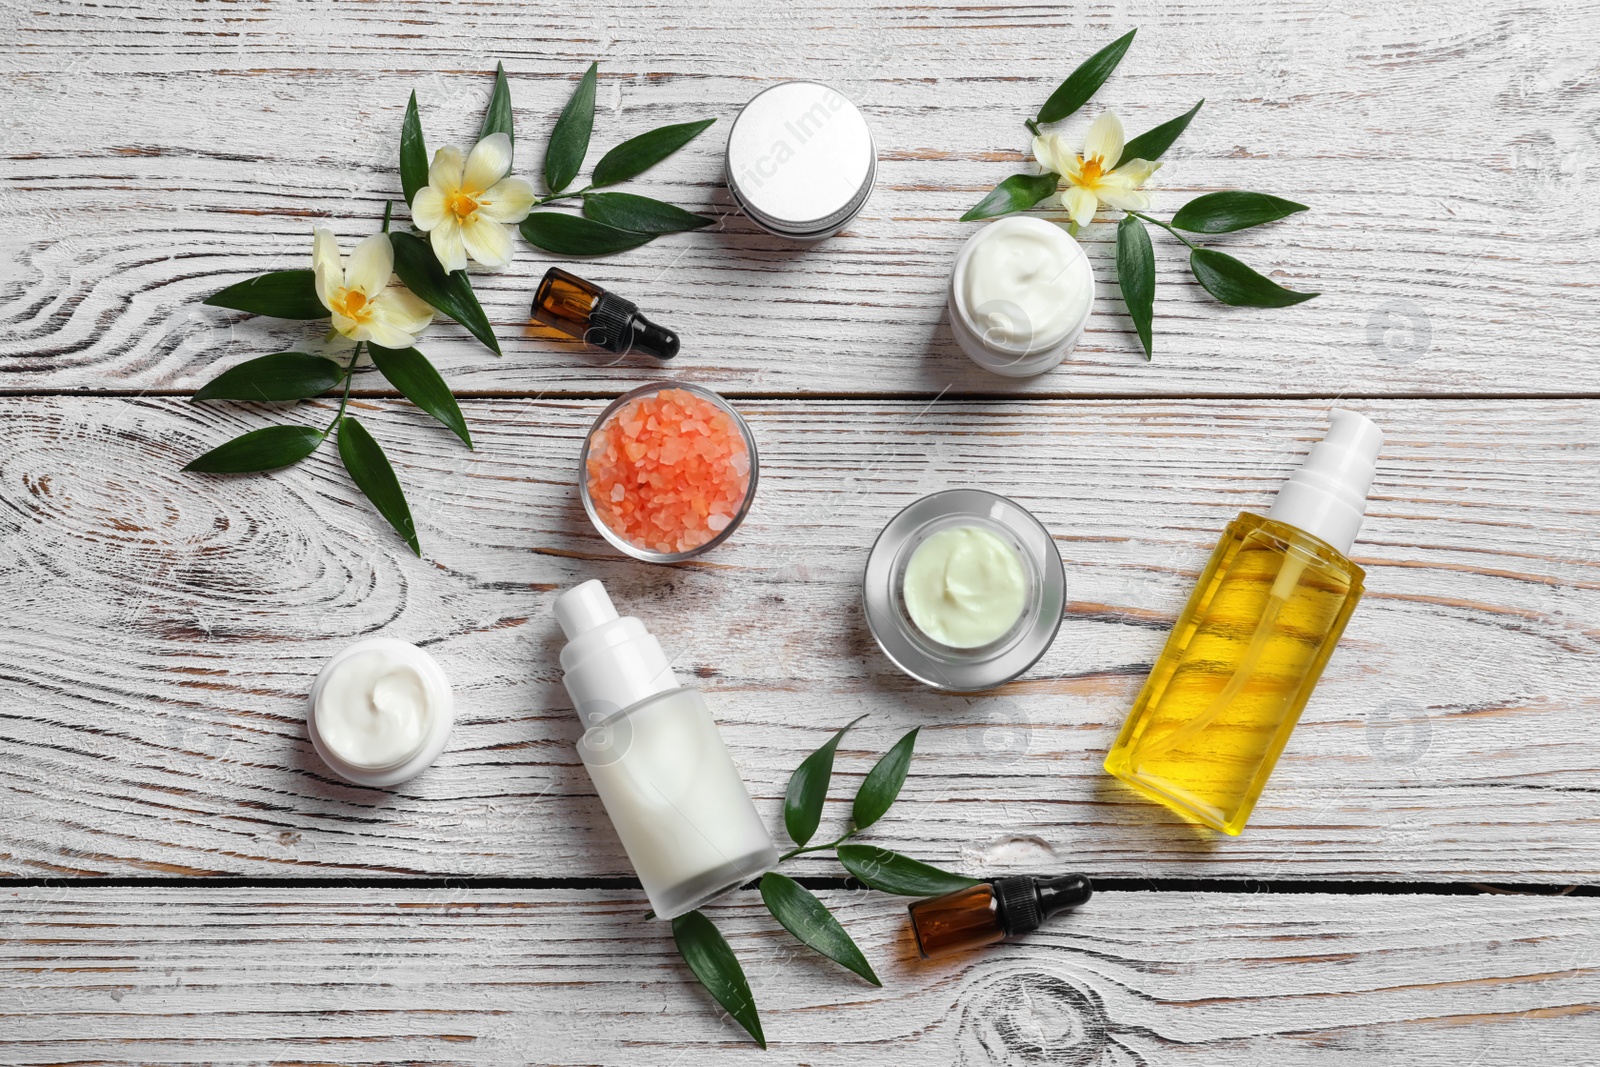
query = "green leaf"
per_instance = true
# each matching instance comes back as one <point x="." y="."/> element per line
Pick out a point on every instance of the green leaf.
<point x="1232" y="210"/>
<point x="1231" y="282"/>
<point x="285" y="294"/>
<point x="450" y="292"/>
<point x="626" y="211"/>
<point x="882" y="784"/>
<point x="498" y="118"/>
<point x="703" y="948"/>
<point x="280" y="376"/>
<point x="807" y="918"/>
<point x="569" y="141"/>
<point x="633" y="157"/>
<point x="413" y="152"/>
<point x="1136" y="274"/>
<point x="574" y="235"/>
<point x="260" y="450"/>
<point x="410" y="372"/>
<point x="1152" y="144"/>
<point x="890" y="872"/>
<point x="1016" y="193"/>
<point x="1082" y="83"/>
<point x="808" y="787"/>
<point x="369" y="468"/>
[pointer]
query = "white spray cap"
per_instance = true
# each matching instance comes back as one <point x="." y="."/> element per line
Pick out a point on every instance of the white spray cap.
<point x="1327" y="496"/>
<point x="610" y="663"/>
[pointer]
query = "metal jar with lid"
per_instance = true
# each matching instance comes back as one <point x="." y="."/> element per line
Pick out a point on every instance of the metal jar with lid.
<point x="801" y="160"/>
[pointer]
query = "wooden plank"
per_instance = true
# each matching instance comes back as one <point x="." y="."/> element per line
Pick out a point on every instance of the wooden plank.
<point x="551" y="977"/>
<point x="153" y="155"/>
<point x="166" y="627"/>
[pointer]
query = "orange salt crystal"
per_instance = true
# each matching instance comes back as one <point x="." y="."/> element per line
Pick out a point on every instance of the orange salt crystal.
<point x="668" y="471"/>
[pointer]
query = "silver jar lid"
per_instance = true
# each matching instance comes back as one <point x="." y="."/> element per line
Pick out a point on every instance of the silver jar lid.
<point x="964" y="670"/>
<point x="801" y="160"/>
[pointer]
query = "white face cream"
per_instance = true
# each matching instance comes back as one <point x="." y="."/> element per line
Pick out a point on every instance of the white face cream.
<point x="1020" y="295"/>
<point x="965" y="587"/>
<point x="381" y="711"/>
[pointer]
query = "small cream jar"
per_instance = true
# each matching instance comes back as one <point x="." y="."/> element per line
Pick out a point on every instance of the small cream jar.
<point x="381" y="712"/>
<point x="1020" y="295"/>
<point x="801" y="160"/>
<point x="964" y="590"/>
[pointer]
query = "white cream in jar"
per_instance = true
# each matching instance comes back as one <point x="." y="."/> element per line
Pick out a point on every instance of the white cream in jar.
<point x="381" y="711"/>
<point x="1020" y="295"/>
<point x="965" y="587"/>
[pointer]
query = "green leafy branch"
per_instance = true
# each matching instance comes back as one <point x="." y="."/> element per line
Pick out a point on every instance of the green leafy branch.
<point x="1227" y="279"/>
<point x="611" y="221"/>
<point x="797" y="909"/>
<point x="300" y="376"/>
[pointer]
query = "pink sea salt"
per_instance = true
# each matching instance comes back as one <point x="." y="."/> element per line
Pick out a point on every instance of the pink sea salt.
<point x="668" y="471"/>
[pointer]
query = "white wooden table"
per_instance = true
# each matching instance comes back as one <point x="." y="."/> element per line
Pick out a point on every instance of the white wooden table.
<point x="185" y="882"/>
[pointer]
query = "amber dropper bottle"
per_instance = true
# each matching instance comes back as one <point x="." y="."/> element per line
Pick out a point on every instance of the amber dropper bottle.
<point x="583" y="310"/>
<point x="993" y="911"/>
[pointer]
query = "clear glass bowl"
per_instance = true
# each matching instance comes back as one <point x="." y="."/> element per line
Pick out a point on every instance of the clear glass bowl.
<point x="621" y="543"/>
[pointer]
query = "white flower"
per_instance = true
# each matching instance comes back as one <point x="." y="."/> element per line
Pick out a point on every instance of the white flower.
<point x="1100" y="175"/>
<point x="466" y="207"/>
<point x="365" y="306"/>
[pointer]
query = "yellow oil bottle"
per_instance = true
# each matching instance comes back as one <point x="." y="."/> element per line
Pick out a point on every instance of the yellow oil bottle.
<point x="1245" y="654"/>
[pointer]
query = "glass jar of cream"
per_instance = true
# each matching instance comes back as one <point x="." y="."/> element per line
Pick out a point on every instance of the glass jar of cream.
<point x="381" y="712"/>
<point x="1020" y="295"/>
<point x="964" y="590"/>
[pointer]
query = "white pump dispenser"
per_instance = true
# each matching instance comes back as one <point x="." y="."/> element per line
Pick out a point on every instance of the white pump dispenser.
<point x="657" y="760"/>
<point x="1327" y="496"/>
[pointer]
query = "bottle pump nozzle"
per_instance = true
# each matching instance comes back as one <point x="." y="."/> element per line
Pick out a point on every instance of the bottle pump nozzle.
<point x="1327" y="496"/>
<point x="611" y="663"/>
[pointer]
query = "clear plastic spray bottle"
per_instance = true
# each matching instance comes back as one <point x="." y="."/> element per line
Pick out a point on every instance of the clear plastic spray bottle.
<point x="657" y="760"/>
<point x="1240" y="664"/>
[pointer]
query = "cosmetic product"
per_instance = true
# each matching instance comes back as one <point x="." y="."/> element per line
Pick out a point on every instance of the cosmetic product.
<point x="381" y="712"/>
<point x="582" y="309"/>
<point x="964" y="590"/>
<point x="801" y="160"/>
<point x="993" y="911"/>
<point x="1239" y="666"/>
<point x="668" y="472"/>
<point x="1020" y="295"/>
<point x="657" y="760"/>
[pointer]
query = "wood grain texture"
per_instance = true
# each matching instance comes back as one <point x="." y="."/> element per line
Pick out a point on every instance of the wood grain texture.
<point x="166" y="628"/>
<point x="557" y="977"/>
<point x="151" y="155"/>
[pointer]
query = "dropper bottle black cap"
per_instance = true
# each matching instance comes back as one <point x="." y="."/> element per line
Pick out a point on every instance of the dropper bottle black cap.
<point x="622" y="329"/>
<point x="1026" y="902"/>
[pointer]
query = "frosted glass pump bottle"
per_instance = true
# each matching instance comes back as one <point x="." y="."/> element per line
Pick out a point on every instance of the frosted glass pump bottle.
<point x="1240" y="664"/>
<point x="657" y="761"/>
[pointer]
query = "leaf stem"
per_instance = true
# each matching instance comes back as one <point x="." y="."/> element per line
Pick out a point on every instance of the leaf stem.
<point x="349" y="376"/>
<point x="817" y="848"/>
<point x="1164" y="226"/>
<point x="1033" y="126"/>
<point x="562" y="196"/>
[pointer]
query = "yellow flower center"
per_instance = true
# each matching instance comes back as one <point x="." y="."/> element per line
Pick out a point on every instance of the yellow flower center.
<point x="463" y="206"/>
<point x="352" y="304"/>
<point x="1091" y="172"/>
